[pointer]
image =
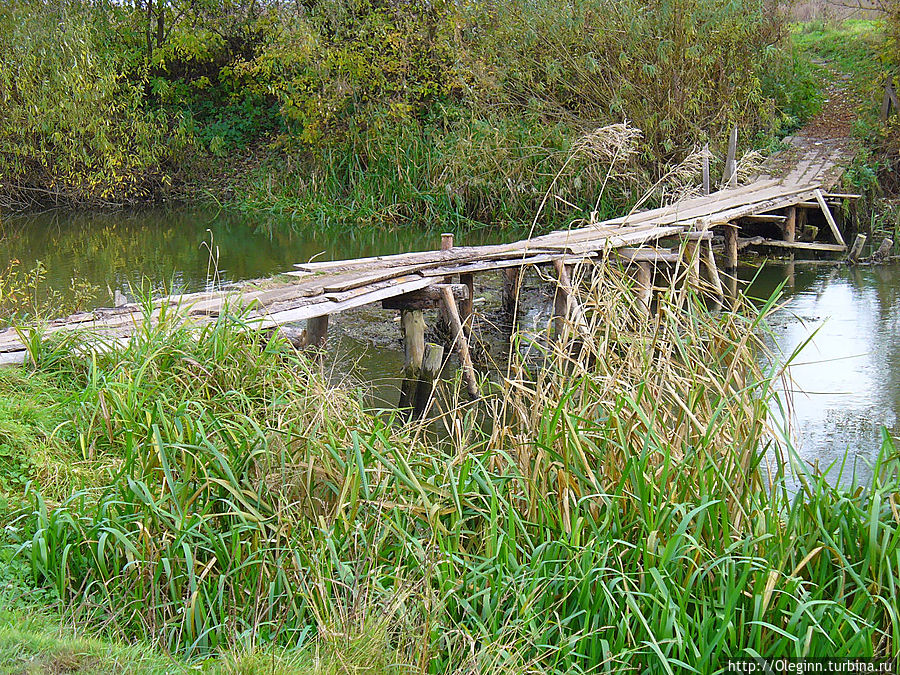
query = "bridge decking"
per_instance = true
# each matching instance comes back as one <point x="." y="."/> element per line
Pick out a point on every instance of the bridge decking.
<point x="319" y="289"/>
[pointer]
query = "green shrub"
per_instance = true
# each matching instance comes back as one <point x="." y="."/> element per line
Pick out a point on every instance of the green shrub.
<point x="679" y="70"/>
<point x="72" y="128"/>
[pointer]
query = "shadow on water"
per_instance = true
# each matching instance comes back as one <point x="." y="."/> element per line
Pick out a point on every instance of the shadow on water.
<point x="845" y="384"/>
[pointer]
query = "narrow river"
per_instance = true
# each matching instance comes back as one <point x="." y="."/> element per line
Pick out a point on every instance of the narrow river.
<point x="845" y="385"/>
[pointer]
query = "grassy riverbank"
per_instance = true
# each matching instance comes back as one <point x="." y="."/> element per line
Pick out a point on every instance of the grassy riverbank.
<point x="216" y="497"/>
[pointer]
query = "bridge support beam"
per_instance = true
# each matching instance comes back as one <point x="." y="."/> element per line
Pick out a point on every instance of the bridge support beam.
<point x="643" y="285"/>
<point x="316" y="332"/>
<point x="731" y="247"/>
<point x="467" y="305"/>
<point x="790" y="225"/>
<point x="431" y="368"/>
<point x="412" y="327"/>
<point x="565" y="304"/>
<point x="512" y="282"/>
<point x="692" y="262"/>
<point x="712" y="270"/>
<point x="461" y="341"/>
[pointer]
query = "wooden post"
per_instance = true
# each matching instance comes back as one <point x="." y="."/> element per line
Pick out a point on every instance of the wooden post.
<point x="856" y="250"/>
<point x="431" y="368"/>
<point x="643" y="284"/>
<point x="565" y="304"/>
<point x="731" y="287"/>
<point x="890" y="98"/>
<point x="692" y="262"/>
<point x="730" y="175"/>
<point x="790" y="225"/>
<point x="712" y="270"/>
<point x="512" y="278"/>
<point x="462" y="343"/>
<point x="316" y="331"/>
<point x="731" y="247"/>
<point x="467" y="306"/>
<point x="412" y="326"/>
<point x="560" y="301"/>
<point x="706" y="182"/>
<point x="446" y="245"/>
<point x="884" y="251"/>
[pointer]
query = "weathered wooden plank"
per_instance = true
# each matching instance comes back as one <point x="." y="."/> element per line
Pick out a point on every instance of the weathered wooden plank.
<point x="650" y="255"/>
<point x="735" y="213"/>
<point x="764" y="218"/>
<point x="705" y="203"/>
<point x="623" y="240"/>
<point x="329" y="307"/>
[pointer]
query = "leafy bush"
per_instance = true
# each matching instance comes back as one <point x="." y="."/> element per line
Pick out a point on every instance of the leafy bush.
<point x="72" y="128"/>
<point x="502" y="91"/>
<point x="680" y="70"/>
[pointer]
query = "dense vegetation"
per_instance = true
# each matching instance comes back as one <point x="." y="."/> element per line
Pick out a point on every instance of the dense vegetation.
<point x="212" y="500"/>
<point x="369" y="111"/>
<point x="213" y="492"/>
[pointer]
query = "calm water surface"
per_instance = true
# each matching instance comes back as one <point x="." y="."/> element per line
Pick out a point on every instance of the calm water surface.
<point x="845" y="385"/>
<point x="187" y="249"/>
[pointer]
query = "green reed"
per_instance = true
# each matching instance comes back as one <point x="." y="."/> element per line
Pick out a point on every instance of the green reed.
<point x="618" y="513"/>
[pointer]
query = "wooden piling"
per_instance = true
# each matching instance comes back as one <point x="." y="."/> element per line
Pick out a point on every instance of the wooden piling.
<point x="512" y="279"/>
<point x="316" y="331"/>
<point x="431" y="368"/>
<point x="731" y="247"/>
<point x="889" y="100"/>
<point x="829" y="217"/>
<point x="712" y="270"/>
<point x="446" y="245"/>
<point x="856" y="250"/>
<point x="412" y="327"/>
<point x="731" y="287"/>
<point x="692" y="262"/>
<point x="461" y="341"/>
<point x="730" y="175"/>
<point x="706" y="181"/>
<point x="565" y="304"/>
<point x="790" y="225"/>
<point x="467" y="306"/>
<point x="643" y="284"/>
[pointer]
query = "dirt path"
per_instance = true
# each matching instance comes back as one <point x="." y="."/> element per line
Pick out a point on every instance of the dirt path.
<point x="825" y="146"/>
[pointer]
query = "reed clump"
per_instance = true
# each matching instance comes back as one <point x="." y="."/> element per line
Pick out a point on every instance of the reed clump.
<point x="615" y="513"/>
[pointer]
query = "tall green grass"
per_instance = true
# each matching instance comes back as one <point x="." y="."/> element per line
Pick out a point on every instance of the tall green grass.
<point x="616" y="514"/>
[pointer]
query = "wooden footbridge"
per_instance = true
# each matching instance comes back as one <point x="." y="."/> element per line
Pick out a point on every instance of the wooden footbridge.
<point x="777" y="213"/>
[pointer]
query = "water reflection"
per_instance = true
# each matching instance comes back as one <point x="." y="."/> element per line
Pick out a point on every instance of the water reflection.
<point x="845" y="383"/>
<point x="188" y="248"/>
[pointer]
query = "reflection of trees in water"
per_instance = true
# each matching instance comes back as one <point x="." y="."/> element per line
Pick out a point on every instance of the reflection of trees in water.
<point x="121" y="249"/>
